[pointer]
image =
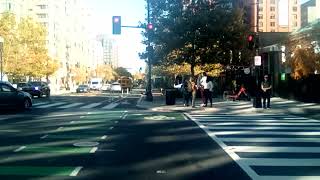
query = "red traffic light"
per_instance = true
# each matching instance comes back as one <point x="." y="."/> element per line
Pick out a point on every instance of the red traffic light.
<point x="150" y="26"/>
<point x="250" y="38"/>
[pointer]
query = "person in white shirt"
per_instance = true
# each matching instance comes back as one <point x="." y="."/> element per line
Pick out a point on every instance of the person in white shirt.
<point x="204" y="84"/>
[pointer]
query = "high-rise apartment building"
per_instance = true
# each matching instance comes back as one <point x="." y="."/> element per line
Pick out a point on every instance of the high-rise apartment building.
<point x="274" y="15"/>
<point x="110" y="50"/>
<point x="310" y="12"/>
<point x="13" y="6"/>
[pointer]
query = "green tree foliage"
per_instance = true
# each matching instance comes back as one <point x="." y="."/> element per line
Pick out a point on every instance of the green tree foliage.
<point x="197" y="32"/>
<point x="120" y="71"/>
<point x="25" y="51"/>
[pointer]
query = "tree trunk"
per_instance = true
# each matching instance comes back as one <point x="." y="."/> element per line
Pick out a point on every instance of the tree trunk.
<point x="192" y="69"/>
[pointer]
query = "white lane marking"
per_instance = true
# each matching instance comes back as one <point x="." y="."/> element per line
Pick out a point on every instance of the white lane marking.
<point x="43" y="137"/>
<point x="8" y="131"/>
<point x="51" y="105"/>
<point x="289" y="177"/>
<point x="270" y="139"/>
<point x="185" y="117"/>
<point x="232" y="154"/>
<point x="20" y="149"/>
<point x="265" y="124"/>
<point x="280" y="162"/>
<point x="125" y="116"/>
<point x="60" y="128"/>
<point x="111" y="106"/>
<point x="212" y="127"/>
<point x="93" y="150"/>
<point x="262" y="133"/>
<point x="111" y="128"/>
<point x="39" y="104"/>
<point x="256" y="121"/>
<point x="76" y="171"/>
<point x="81" y="117"/>
<point x="72" y="122"/>
<point x="70" y="105"/>
<point x="92" y="105"/>
<point x="104" y="137"/>
<point x="262" y="149"/>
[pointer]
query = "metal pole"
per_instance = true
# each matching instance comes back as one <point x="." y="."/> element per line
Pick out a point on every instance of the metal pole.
<point x="1" y="61"/>
<point x="149" y="96"/>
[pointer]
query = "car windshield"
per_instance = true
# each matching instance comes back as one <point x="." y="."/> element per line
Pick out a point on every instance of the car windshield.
<point x="83" y="86"/>
<point x="35" y="83"/>
<point x="94" y="83"/>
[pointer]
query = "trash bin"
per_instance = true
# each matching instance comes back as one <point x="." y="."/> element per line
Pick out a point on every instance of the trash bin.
<point x="257" y="102"/>
<point x="170" y="96"/>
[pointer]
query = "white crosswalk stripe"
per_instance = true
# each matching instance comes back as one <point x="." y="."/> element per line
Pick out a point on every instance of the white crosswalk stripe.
<point x="267" y="146"/>
<point x="111" y="106"/>
<point x="89" y="106"/>
<point x="70" y="105"/>
<point x="51" y="105"/>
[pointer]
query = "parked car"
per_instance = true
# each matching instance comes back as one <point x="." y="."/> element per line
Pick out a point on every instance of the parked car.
<point x="83" y="89"/>
<point x="116" y="87"/>
<point x="11" y="97"/>
<point x="106" y="87"/>
<point x="36" y="88"/>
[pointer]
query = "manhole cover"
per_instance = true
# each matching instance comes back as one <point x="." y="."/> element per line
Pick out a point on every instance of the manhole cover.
<point x="86" y="144"/>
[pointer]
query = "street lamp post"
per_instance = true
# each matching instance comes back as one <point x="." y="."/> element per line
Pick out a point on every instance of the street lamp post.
<point x="1" y="59"/>
<point x="149" y="96"/>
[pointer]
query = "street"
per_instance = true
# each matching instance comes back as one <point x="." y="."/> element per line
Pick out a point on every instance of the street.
<point x="106" y="136"/>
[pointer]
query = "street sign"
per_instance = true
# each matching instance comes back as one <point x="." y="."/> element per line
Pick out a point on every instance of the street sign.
<point x="257" y="60"/>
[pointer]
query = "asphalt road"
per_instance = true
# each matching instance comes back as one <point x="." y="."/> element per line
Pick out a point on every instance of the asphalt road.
<point x="107" y="137"/>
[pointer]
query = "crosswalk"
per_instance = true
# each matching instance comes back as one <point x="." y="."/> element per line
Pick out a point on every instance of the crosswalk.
<point x="277" y="147"/>
<point x="78" y="105"/>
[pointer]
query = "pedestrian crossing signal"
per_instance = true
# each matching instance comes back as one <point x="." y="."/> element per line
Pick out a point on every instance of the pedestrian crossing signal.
<point x="116" y="25"/>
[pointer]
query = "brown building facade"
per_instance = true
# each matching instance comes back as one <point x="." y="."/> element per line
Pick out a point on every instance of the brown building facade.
<point x="274" y="15"/>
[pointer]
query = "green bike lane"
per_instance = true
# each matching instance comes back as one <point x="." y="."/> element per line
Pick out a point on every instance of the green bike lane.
<point x="49" y="146"/>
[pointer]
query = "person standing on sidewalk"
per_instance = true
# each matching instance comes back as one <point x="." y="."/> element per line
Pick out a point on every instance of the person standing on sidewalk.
<point x="194" y="91"/>
<point x="266" y="91"/>
<point x="210" y="93"/>
<point x="204" y="85"/>
<point x="186" y="90"/>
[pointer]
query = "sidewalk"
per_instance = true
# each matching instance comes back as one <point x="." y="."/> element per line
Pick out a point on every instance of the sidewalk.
<point x="278" y="106"/>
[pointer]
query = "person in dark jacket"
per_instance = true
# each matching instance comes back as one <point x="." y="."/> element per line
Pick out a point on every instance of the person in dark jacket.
<point x="266" y="92"/>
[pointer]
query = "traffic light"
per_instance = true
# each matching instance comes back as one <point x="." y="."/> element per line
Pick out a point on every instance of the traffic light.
<point x="150" y="26"/>
<point x="116" y="25"/>
<point x="251" y="42"/>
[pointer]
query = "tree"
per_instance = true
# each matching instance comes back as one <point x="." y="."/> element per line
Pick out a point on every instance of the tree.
<point x="120" y="71"/>
<point x="197" y="32"/>
<point x="106" y="72"/>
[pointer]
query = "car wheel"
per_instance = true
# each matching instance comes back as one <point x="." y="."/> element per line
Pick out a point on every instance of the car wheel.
<point x="26" y="104"/>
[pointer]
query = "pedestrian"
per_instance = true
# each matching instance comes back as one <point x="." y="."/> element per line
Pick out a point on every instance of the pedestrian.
<point x="204" y="85"/>
<point x="266" y="91"/>
<point x="210" y="93"/>
<point x="194" y="91"/>
<point x="186" y="91"/>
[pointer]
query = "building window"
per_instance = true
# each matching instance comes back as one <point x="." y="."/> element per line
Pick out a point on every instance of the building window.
<point x="272" y="30"/>
<point x="260" y="1"/>
<point x="295" y="1"/>
<point x="273" y="16"/>
<point x="272" y="8"/>
<point x="272" y="24"/>
<point x="295" y="17"/>
<point x="272" y="1"/>
<point x="295" y="24"/>
<point x="260" y="30"/>
<point x="260" y="9"/>
<point x="43" y="6"/>
<point x="42" y="15"/>
<point x="260" y="16"/>
<point x="260" y="24"/>
<point x="294" y="9"/>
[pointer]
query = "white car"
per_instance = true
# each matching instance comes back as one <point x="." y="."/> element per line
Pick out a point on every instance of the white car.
<point x="116" y="87"/>
<point x="106" y="87"/>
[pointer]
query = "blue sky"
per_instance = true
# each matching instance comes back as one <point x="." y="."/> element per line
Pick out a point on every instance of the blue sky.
<point x="132" y="12"/>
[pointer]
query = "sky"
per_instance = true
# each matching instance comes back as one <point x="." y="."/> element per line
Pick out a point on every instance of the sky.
<point x="132" y="12"/>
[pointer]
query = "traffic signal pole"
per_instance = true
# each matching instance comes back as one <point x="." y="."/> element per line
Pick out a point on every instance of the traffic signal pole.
<point x="149" y="96"/>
